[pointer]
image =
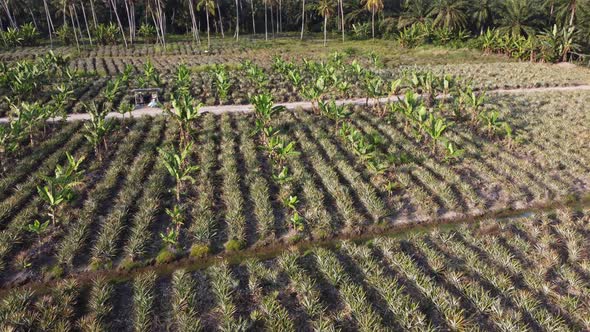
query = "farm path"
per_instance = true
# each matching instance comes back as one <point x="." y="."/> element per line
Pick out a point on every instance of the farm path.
<point x="219" y="109"/>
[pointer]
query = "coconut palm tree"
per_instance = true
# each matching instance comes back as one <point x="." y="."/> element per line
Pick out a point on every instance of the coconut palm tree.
<point x="518" y="17"/>
<point x="209" y="6"/>
<point x="373" y="6"/>
<point x="451" y="14"/>
<point x="326" y="9"/>
<point x="414" y="11"/>
<point x="482" y="13"/>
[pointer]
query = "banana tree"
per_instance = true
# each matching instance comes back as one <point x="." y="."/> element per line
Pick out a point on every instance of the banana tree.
<point x="176" y="215"/>
<point x="185" y="110"/>
<point x="314" y="91"/>
<point x="334" y="112"/>
<point x="279" y="149"/>
<point x="10" y="136"/>
<point x="472" y="101"/>
<point x="182" y="80"/>
<point x="221" y="82"/>
<point x="373" y="86"/>
<point x="264" y="109"/>
<point x="59" y="101"/>
<point x="38" y="228"/>
<point x="30" y="116"/>
<point x="176" y="162"/>
<point x="435" y="127"/>
<point x="59" y="188"/>
<point x="97" y="129"/>
<point x="452" y="151"/>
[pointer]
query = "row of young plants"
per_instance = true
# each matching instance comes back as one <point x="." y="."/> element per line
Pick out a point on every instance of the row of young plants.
<point x="332" y="188"/>
<point x="520" y="274"/>
<point x="339" y="77"/>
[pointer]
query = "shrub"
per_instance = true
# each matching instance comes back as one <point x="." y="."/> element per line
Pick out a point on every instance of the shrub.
<point x="106" y="34"/>
<point x="165" y="256"/>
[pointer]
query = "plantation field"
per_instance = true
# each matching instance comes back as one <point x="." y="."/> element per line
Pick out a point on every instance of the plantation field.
<point x="237" y="200"/>
<point x="527" y="273"/>
<point x="417" y="189"/>
<point x="225" y="82"/>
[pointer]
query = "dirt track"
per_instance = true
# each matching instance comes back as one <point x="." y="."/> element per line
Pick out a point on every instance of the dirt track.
<point x="149" y="111"/>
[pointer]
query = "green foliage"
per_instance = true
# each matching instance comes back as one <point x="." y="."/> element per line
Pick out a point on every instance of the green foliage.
<point x="106" y="34"/>
<point x="147" y="32"/>
<point x="97" y="129"/>
<point x="59" y="188"/>
<point x="176" y="163"/>
<point x="65" y="33"/>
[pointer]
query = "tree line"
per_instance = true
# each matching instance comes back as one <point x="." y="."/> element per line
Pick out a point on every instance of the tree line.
<point x="127" y="21"/>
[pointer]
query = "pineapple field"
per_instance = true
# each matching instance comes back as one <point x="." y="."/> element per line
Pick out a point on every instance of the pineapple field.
<point x="359" y="187"/>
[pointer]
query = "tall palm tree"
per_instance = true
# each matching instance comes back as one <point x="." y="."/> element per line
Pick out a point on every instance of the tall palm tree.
<point x="373" y="6"/>
<point x="518" y="17"/>
<point x="450" y="14"/>
<point x="414" y="11"/>
<point x="326" y="9"/>
<point x="209" y="6"/>
<point x="482" y="12"/>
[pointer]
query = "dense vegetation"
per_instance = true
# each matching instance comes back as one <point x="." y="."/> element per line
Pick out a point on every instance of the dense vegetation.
<point x="551" y="31"/>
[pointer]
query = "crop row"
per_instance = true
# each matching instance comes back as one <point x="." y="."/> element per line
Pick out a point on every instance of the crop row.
<point x="139" y="50"/>
<point x="519" y="274"/>
<point x="237" y="201"/>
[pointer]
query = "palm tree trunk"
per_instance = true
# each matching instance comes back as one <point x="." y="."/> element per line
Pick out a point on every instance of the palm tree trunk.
<point x="325" y="30"/>
<point x="280" y="29"/>
<point x="253" y="21"/>
<point x="119" y="22"/>
<point x="373" y="23"/>
<point x="33" y="18"/>
<point x="11" y="18"/>
<point x="208" y="29"/>
<point x="272" y="21"/>
<point x="194" y="22"/>
<point x="74" y="29"/>
<point x="49" y="23"/>
<point x="342" y="15"/>
<point x="573" y="7"/>
<point x="237" y="21"/>
<point x="86" y="22"/>
<point x="302" y="19"/>
<point x="220" y="20"/>
<point x="94" y="20"/>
